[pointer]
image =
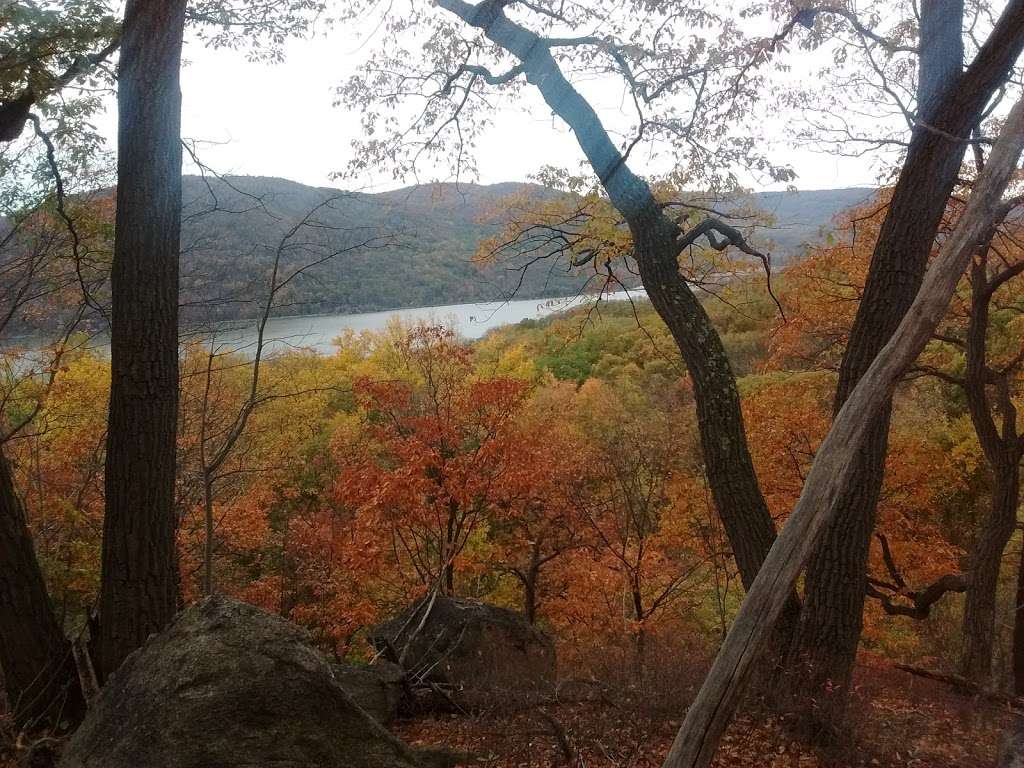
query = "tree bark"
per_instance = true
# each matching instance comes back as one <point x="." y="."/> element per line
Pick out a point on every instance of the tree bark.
<point x="1018" y="631"/>
<point x="950" y="105"/>
<point x="832" y="470"/>
<point x="656" y="241"/>
<point x="979" y="618"/>
<point x="1002" y="448"/>
<point x="137" y="596"/>
<point x="38" y="667"/>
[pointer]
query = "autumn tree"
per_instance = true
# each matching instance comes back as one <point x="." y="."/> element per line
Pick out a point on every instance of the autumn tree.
<point x="439" y="448"/>
<point x="633" y="452"/>
<point x="948" y="105"/>
<point x="688" y="95"/>
<point x="833" y="468"/>
<point x="308" y="244"/>
<point x="822" y="294"/>
<point x="978" y="351"/>
<point x="536" y="522"/>
<point x="138" y="594"/>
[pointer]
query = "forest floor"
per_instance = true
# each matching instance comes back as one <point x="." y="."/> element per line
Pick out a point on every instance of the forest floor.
<point x="896" y="720"/>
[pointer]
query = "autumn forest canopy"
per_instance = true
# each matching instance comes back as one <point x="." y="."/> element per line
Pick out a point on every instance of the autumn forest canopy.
<point x="751" y="498"/>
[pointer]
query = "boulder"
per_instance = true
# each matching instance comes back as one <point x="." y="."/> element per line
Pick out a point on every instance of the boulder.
<point x="1011" y="753"/>
<point x="472" y="654"/>
<point x="376" y="688"/>
<point x="229" y="685"/>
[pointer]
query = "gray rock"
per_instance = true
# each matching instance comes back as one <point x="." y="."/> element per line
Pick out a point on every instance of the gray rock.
<point x="376" y="688"/>
<point x="229" y="685"/>
<point x="478" y="655"/>
<point x="1011" y="754"/>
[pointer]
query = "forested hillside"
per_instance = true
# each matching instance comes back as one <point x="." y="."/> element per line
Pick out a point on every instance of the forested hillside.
<point x="422" y="243"/>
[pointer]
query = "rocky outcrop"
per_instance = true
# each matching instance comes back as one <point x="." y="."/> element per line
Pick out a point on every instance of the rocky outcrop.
<point x="471" y="654"/>
<point x="376" y="688"/>
<point x="1011" y="753"/>
<point x="229" y="685"/>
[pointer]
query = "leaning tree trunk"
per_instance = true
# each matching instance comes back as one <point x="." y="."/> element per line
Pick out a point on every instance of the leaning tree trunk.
<point x="822" y="659"/>
<point x="137" y="595"/>
<point x="832" y="470"/>
<point x="656" y="241"/>
<point x="730" y="469"/>
<point x="38" y="667"/>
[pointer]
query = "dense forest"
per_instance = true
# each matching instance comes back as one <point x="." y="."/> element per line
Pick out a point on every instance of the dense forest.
<point x="763" y="512"/>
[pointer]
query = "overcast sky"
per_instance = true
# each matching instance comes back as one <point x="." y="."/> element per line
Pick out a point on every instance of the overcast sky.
<point x="278" y="120"/>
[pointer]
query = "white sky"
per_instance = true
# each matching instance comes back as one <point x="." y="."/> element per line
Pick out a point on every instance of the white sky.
<point x="278" y="120"/>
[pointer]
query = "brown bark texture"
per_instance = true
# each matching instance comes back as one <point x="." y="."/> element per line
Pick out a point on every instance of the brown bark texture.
<point x="138" y="591"/>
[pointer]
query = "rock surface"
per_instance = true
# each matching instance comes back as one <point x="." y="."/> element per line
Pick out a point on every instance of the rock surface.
<point x="229" y="685"/>
<point x="478" y="655"/>
<point x="1011" y="754"/>
<point x="377" y="688"/>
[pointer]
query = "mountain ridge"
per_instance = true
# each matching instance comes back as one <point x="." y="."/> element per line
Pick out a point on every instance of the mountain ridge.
<point x="393" y="249"/>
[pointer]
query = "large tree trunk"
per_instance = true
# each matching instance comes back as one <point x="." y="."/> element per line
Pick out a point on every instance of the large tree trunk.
<point x="656" y="240"/>
<point x="39" y="671"/>
<point x="951" y="104"/>
<point x="137" y="596"/>
<point x="832" y="470"/>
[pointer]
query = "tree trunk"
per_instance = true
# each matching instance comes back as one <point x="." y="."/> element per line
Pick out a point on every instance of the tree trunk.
<point x="640" y="637"/>
<point x="821" y="662"/>
<point x="208" y="542"/>
<point x="39" y="670"/>
<point x="531" y="580"/>
<point x="137" y="596"/>
<point x="1018" y="630"/>
<point x="1002" y="449"/>
<point x="730" y="470"/>
<point x="530" y="601"/>
<point x="832" y="470"/>
<point x="979" y="619"/>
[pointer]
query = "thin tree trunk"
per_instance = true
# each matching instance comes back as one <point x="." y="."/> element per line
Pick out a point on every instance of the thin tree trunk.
<point x="640" y="638"/>
<point x="656" y="241"/>
<point x="530" y="581"/>
<point x="1002" y="449"/>
<point x="979" y="620"/>
<point x="208" y="543"/>
<point x="832" y="470"/>
<point x="38" y="667"/>
<point x="1018" y="630"/>
<point x="530" y="601"/>
<point x="951" y="104"/>
<point x="137" y="596"/>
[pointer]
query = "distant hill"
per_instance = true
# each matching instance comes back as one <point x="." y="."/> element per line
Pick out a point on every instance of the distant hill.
<point x="421" y="243"/>
<point x="232" y="228"/>
<point x="802" y="218"/>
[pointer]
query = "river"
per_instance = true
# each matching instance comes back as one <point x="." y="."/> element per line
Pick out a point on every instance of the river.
<point x="317" y="332"/>
<point x="471" y="321"/>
